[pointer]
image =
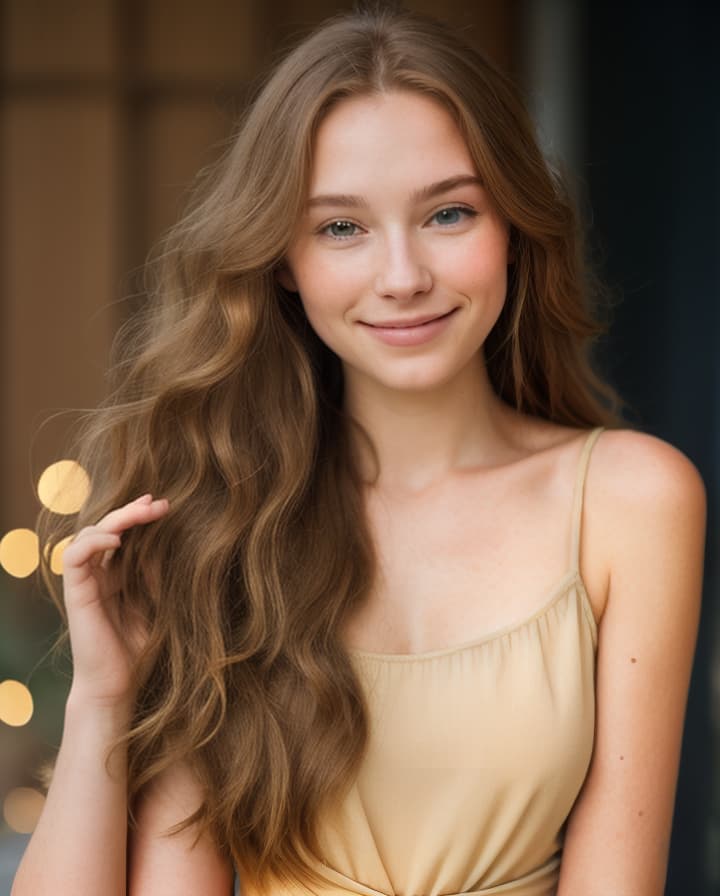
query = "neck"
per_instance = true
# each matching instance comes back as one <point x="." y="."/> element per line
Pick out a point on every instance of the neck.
<point x="423" y="437"/>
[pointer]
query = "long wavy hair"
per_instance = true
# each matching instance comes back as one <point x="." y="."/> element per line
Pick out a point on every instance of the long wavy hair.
<point x="224" y="400"/>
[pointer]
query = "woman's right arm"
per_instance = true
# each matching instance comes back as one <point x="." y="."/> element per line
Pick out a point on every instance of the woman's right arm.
<point x="80" y="844"/>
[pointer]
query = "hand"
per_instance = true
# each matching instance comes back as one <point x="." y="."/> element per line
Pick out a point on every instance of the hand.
<point x="102" y="658"/>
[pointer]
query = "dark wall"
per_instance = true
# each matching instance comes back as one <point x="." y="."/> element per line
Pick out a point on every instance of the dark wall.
<point x="653" y="173"/>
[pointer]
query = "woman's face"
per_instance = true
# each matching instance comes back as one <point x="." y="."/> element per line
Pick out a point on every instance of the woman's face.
<point x="397" y="230"/>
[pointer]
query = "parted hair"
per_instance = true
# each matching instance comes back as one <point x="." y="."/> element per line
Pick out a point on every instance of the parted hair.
<point x="222" y="399"/>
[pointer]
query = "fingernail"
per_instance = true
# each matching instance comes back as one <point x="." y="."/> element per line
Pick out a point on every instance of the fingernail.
<point x="145" y="498"/>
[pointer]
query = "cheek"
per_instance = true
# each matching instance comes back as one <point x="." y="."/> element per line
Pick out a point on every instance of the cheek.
<point x="324" y="299"/>
<point x="477" y="267"/>
<point x="328" y="288"/>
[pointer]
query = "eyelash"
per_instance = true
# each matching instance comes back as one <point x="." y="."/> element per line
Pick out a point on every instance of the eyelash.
<point x="465" y="210"/>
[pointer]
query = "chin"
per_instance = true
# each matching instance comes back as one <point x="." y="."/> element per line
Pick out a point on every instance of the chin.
<point x="415" y="383"/>
<point x="404" y="375"/>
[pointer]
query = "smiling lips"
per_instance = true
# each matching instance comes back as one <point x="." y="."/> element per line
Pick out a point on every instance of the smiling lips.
<point x="411" y="332"/>
<point x="403" y="324"/>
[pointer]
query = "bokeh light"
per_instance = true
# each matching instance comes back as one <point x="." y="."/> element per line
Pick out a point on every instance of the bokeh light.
<point x="63" y="486"/>
<point x="19" y="552"/>
<point x="56" y="564"/>
<point x="16" y="703"/>
<point x="21" y="809"/>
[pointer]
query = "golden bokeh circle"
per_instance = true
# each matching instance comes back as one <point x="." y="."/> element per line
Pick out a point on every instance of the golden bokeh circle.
<point x="16" y="703"/>
<point x="19" y="552"/>
<point x="21" y="809"/>
<point x="56" y="564"/>
<point x="63" y="486"/>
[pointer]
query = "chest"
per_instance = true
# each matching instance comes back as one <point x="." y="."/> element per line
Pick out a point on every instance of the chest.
<point x="460" y="564"/>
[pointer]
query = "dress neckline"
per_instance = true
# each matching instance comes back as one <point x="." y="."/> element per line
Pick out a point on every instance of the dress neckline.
<point x="552" y="596"/>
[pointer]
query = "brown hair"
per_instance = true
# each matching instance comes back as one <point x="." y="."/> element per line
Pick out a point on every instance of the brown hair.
<point x="223" y="400"/>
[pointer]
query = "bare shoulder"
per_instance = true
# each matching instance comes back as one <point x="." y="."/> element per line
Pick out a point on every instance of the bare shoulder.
<point x="645" y="503"/>
<point x="635" y="467"/>
<point x="650" y="507"/>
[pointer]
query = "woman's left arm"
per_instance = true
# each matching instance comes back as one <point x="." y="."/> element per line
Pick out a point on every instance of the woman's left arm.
<point x="652" y="505"/>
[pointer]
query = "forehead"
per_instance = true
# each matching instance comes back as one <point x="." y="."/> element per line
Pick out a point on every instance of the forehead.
<point x="400" y="136"/>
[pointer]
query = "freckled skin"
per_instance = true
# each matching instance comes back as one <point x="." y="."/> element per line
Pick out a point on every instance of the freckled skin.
<point x="632" y="659"/>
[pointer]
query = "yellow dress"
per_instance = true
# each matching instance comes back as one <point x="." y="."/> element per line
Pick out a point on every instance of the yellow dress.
<point x="476" y="755"/>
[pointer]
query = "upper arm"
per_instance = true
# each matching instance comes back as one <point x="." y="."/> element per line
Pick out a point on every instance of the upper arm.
<point x="160" y="864"/>
<point x="652" y="505"/>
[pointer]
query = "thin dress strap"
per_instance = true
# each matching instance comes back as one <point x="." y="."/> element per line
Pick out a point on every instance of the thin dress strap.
<point x="578" y="496"/>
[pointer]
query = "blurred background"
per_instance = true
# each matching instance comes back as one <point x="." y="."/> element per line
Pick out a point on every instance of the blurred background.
<point x="107" y="110"/>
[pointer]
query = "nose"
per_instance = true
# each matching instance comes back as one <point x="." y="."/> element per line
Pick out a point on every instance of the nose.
<point x="401" y="272"/>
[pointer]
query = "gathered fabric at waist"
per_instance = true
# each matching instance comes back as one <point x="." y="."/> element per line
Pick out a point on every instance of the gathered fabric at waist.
<point x="541" y="881"/>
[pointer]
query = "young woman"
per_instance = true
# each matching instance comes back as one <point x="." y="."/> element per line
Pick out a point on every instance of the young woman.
<point x="411" y="612"/>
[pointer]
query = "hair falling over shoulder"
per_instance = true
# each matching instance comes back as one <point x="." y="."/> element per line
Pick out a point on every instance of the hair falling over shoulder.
<point x="223" y="400"/>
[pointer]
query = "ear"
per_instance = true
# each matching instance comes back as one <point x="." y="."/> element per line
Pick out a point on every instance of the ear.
<point x="284" y="276"/>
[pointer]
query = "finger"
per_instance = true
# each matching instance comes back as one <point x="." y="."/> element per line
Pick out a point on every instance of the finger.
<point x="142" y="501"/>
<point x="79" y="552"/>
<point x="136" y="512"/>
<point x="83" y="531"/>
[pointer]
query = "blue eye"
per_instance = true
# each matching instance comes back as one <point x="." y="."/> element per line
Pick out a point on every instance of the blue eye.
<point x="340" y="229"/>
<point x="453" y="214"/>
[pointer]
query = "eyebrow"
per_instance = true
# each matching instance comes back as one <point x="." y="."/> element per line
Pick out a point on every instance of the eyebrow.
<point x="421" y="195"/>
